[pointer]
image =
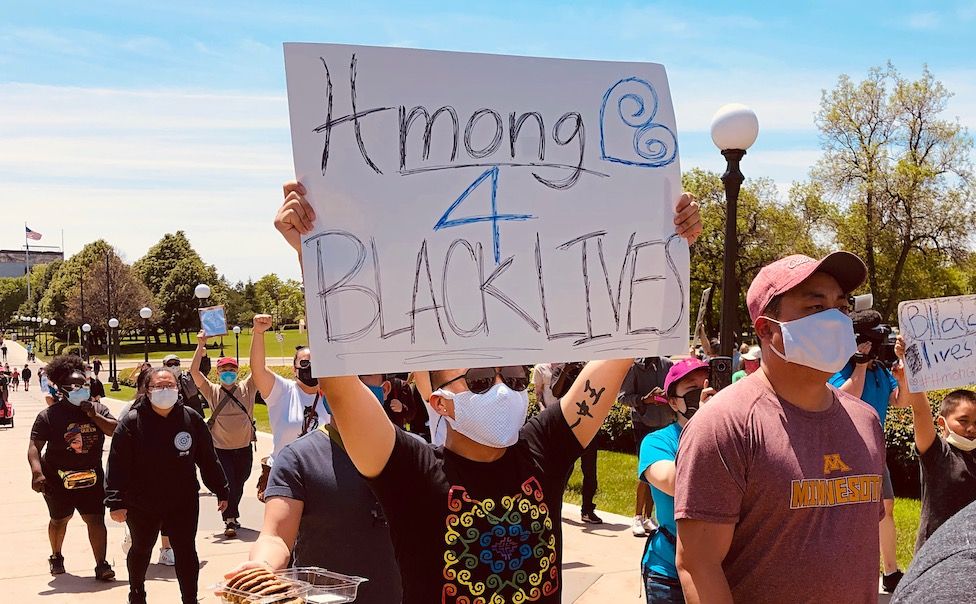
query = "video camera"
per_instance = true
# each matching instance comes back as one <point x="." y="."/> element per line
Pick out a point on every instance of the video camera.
<point x="868" y="327"/>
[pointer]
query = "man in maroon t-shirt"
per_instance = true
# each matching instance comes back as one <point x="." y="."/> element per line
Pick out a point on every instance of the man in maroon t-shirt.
<point x="778" y="492"/>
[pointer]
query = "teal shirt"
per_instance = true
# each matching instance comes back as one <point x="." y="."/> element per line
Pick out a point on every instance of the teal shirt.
<point x="661" y="445"/>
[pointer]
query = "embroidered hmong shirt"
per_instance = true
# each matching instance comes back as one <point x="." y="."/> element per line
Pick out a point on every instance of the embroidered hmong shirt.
<point x="467" y="532"/>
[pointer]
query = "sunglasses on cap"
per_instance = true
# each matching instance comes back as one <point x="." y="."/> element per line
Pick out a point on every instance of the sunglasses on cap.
<point x="481" y="379"/>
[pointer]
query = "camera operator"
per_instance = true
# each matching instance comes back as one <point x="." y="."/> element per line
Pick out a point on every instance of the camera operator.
<point x="867" y="377"/>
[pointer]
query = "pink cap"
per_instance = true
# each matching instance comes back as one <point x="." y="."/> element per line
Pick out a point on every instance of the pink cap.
<point x="680" y="370"/>
<point x="786" y="273"/>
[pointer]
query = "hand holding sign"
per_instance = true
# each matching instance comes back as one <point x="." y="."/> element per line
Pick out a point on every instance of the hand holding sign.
<point x="213" y="321"/>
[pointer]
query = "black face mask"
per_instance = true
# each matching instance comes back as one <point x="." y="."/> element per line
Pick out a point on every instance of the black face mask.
<point x="692" y="400"/>
<point x="305" y="374"/>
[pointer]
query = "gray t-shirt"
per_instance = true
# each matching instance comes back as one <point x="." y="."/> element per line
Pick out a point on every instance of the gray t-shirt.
<point x="342" y="528"/>
<point x="948" y="485"/>
<point x="943" y="569"/>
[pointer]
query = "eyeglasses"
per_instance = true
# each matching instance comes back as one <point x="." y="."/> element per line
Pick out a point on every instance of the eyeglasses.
<point x="71" y="387"/>
<point x="171" y="364"/>
<point x="481" y="379"/>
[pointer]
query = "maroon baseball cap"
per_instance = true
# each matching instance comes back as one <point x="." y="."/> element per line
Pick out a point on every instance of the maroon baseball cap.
<point x="680" y="370"/>
<point x="227" y="361"/>
<point x="786" y="273"/>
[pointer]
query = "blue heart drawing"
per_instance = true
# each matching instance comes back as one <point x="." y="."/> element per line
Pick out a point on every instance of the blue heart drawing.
<point x="654" y="145"/>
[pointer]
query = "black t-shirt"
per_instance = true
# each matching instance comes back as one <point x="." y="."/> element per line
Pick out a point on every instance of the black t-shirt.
<point x="340" y="528"/>
<point x="74" y="441"/>
<point x="467" y="531"/>
<point x="943" y="569"/>
<point x="948" y="485"/>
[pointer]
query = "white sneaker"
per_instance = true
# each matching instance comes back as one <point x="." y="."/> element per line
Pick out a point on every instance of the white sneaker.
<point x="126" y="540"/>
<point x="166" y="557"/>
<point x="649" y="525"/>
<point x="638" y="528"/>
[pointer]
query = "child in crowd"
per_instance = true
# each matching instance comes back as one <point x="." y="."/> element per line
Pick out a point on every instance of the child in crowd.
<point x="947" y="456"/>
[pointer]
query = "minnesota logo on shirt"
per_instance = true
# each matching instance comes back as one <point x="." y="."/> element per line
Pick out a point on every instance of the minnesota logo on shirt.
<point x="840" y="490"/>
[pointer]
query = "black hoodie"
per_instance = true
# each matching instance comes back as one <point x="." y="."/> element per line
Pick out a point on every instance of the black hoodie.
<point x="151" y="463"/>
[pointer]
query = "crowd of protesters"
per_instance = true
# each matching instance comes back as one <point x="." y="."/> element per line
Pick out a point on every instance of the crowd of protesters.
<point x="436" y="488"/>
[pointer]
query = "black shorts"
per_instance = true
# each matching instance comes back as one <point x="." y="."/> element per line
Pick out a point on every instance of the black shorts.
<point x="62" y="503"/>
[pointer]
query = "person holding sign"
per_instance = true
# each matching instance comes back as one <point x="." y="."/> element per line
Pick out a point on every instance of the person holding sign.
<point x="290" y="402"/>
<point x="947" y="457"/>
<point x="778" y="485"/>
<point x="232" y="426"/>
<point x="483" y="516"/>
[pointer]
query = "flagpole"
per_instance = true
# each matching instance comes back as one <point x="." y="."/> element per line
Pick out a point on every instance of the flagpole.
<point x="27" y="256"/>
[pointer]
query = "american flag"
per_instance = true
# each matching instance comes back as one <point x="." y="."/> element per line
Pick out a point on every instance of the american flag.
<point x="33" y="235"/>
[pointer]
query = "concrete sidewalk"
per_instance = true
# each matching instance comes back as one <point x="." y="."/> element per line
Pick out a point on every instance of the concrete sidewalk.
<point x="600" y="562"/>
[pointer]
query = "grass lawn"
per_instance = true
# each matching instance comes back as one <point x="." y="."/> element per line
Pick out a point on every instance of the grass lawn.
<point x="617" y="475"/>
<point x="134" y="349"/>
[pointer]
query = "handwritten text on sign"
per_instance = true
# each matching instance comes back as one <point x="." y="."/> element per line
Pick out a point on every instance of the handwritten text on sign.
<point x="478" y="210"/>
<point x="940" y="342"/>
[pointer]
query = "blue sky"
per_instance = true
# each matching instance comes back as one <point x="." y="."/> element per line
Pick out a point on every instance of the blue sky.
<point x="125" y="120"/>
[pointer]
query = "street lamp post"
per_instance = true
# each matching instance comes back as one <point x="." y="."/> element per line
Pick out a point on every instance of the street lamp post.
<point x="734" y="129"/>
<point x="52" y="323"/>
<point x="202" y="292"/>
<point x="237" y="342"/>
<point x="113" y="325"/>
<point x="145" y="313"/>
<point x="85" y="330"/>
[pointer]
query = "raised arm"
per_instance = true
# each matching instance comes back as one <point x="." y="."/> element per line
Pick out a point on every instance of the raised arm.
<point x="198" y="378"/>
<point x="925" y="433"/>
<point x="367" y="432"/>
<point x="854" y="385"/>
<point x="592" y="395"/>
<point x="262" y="376"/>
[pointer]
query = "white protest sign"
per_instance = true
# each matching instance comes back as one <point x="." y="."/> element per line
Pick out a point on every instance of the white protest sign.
<point x="479" y="210"/>
<point x="940" y="339"/>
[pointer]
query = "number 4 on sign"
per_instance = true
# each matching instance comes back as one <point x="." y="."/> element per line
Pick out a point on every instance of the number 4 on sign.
<point x="494" y="218"/>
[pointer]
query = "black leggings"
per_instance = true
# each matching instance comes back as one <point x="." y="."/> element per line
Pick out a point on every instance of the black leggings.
<point x="180" y="524"/>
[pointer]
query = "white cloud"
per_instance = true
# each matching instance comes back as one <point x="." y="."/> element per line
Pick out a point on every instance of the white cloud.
<point x="923" y="21"/>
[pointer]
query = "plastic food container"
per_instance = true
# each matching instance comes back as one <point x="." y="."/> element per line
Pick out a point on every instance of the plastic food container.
<point x="326" y="587"/>
<point x="227" y="595"/>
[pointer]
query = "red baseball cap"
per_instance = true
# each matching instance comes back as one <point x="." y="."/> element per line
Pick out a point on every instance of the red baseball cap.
<point x="680" y="370"/>
<point x="225" y="361"/>
<point x="786" y="273"/>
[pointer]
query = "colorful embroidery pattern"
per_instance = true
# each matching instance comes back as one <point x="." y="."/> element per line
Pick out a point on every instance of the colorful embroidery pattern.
<point x="499" y="553"/>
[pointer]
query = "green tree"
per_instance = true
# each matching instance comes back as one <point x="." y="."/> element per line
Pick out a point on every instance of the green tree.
<point x="68" y="277"/>
<point x="282" y="299"/>
<point x="900" y="174"/>
<point x="767" y="229"/>
<point x="176" y="296"/>
<point x="13" y="293"/>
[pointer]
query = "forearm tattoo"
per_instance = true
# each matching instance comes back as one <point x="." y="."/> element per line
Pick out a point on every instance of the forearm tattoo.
<point x="584" y="406"/>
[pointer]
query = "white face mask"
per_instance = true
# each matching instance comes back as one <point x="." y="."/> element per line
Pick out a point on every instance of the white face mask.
<point x="493" y="418"/>
<point x="960" y="442"/>
<point x="823" y="341"/>
<point x="164" y="398"/>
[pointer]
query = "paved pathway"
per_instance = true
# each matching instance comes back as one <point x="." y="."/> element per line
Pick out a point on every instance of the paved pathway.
<point x="600" y="562"/>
